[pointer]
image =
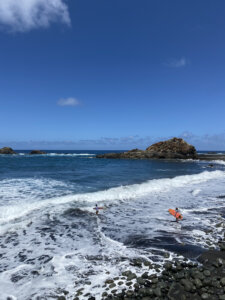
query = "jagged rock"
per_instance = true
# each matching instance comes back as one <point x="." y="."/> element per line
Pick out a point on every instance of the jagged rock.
<point x="37" y="152"/>
<point x="171" y="149"/>
<point x="7" y="150"/>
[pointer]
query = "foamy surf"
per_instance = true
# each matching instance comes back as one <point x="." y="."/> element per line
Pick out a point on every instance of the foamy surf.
<point x="123" y="193"/>
<point x="53" y="241"/>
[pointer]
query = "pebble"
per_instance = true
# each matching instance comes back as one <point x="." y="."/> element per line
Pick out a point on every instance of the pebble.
<point x="207" y="273"/>
<point x="140" y="280"/>
<point x="222" y="280"/>
<point x="205" y="296"/>
<point x="112" y="285"/>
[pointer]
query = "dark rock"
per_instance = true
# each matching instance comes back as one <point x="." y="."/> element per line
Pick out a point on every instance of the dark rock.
<point x="126" y="273"/>
<point x="145" y="275"/>
<point x="175" y="291"/>
<point x="205" y="296"/>
<point x="166" y="255"/>
<point x="207" y="282"/>
<point x="142" y="292"/>
<point x="157" y="292"/>
<point x="207" y="273"/>
<point x="7" y="150"/>
<point x="198" y="283"/>
<point x="37" y="152"/>
<point x="168" y="266"/>
<point x="104" y="294"/>
<point x="171" y="149"/>
<point x="209" y="257"/>
<point x="109" y="281"/>
<point x="222" y="280"/>
<point x="188" y="286"/>
<point x="155" y="280"/>
<point x="140" y="280"/>
<point x="148" y="283"/>
<point x="222" y="246"/>
<point x="112" y="285"/>
<point x="131" y="276"/>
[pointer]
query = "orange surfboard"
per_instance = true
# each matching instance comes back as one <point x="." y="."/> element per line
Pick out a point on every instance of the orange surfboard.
<point x="175" y="214"/>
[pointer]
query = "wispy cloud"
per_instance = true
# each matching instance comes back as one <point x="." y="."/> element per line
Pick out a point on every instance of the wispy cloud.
<point x="68" y="102"/>
<point x="205" y="141"/>
<point x="25" y="15"/>
<point x="177" y="63"/>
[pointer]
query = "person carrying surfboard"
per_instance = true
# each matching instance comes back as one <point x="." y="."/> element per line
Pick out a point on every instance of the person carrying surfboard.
<point x="177" y="215"/>
<point x="97" y="208"/>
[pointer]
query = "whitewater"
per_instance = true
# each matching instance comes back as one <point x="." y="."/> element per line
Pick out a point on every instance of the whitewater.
<point x="52" y="242"/>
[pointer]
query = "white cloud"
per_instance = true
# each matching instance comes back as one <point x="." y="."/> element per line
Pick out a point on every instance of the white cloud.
<point x="177" y="63"/>
<point x="68" y="102"/>
<point x="24" y="15"/>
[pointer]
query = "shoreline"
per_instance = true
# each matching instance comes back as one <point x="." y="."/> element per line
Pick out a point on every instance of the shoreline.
<point x="179" y="278"/>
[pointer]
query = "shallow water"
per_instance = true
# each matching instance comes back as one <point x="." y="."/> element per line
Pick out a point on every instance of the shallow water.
<point x="51" y="240"/>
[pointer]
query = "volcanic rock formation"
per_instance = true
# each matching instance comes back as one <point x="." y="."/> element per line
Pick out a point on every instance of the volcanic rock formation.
<point x="37" y="152"/>
<point x="174" y="148"/>
<point x="7" y="150"/>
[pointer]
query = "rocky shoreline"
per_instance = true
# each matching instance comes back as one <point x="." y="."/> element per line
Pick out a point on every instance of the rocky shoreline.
<point x="178" y="278"/>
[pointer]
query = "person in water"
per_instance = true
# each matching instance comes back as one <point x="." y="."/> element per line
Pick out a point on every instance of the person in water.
<point x="177" y="216"/>
<point x="96" y="209"/>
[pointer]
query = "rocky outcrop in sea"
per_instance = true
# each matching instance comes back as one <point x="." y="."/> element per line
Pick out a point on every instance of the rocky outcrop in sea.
<point x="37" y="152"/>
<point x="7" y="150"/>
<point x="174" y="148"/>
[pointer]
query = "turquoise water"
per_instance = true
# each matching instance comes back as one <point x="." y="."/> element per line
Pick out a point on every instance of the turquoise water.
<point x="49" y="228"/>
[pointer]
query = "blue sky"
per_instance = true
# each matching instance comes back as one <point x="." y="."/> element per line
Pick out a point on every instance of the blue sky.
<point x="84" y="74"/>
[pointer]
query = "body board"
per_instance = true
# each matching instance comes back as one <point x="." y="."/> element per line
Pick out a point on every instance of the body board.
<point x="175" y="214"/>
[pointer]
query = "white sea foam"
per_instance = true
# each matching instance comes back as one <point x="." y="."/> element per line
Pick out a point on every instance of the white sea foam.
<point x="196" y="192"/>
<point x="84" y="247"/>
<point x="219" y="162"/>
<point x="51" y="154"/>
<point x="69" y="154"/>
<point x="123" y="193"/>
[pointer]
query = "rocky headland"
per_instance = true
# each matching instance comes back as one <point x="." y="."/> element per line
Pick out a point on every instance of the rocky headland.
<point x="175" y="148"/>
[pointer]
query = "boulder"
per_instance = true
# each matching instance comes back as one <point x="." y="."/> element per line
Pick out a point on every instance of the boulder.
<point x="7" y="150"/>
<point x="37" y="152"/>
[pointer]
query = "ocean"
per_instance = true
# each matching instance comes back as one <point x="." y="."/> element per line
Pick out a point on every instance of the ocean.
<point x="53" y="243"/>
